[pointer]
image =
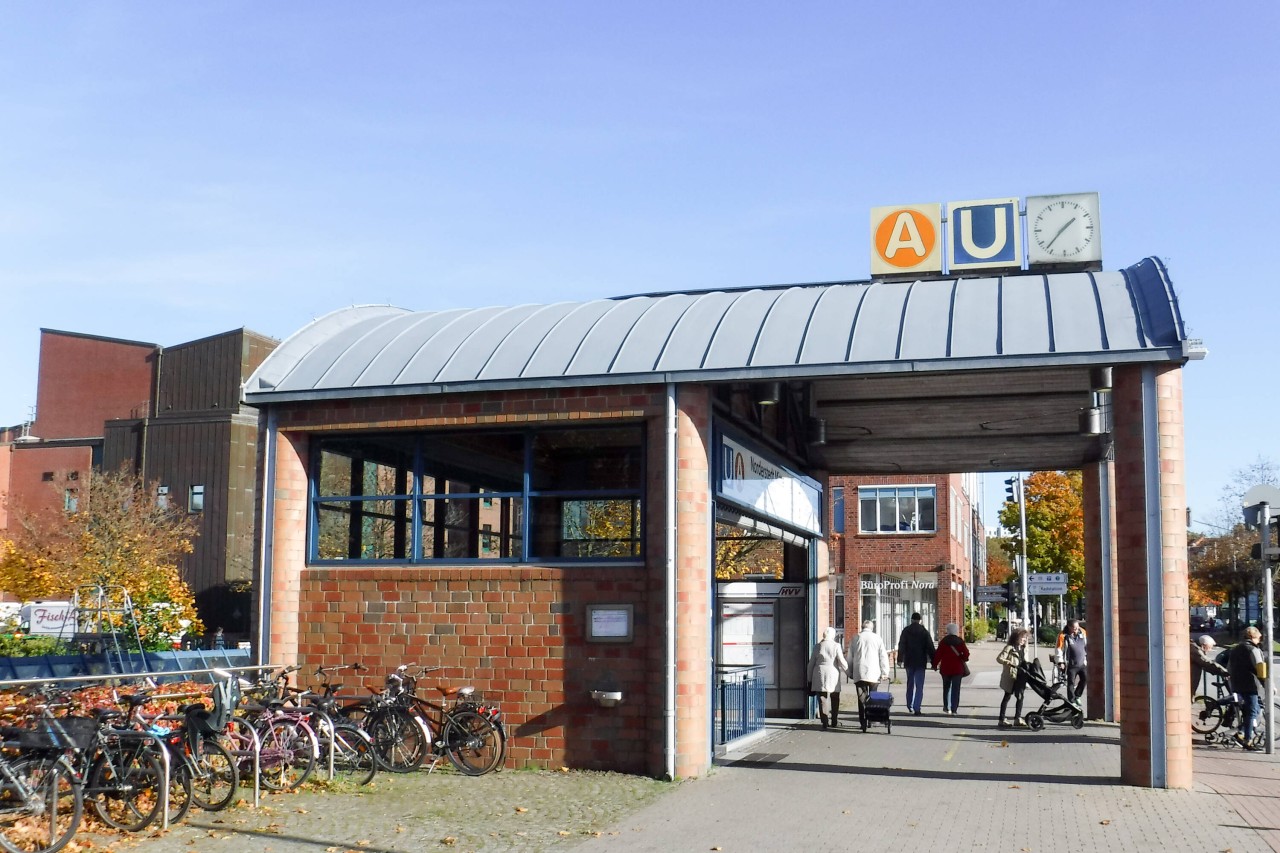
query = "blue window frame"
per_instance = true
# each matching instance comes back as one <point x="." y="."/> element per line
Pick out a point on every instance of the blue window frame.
<point x="546" y="495"/>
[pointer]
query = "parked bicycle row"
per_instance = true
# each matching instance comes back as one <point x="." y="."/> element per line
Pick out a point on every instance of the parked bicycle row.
<point x="112" y="756"/>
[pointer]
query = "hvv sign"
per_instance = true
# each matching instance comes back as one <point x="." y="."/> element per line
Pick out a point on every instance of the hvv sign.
<point x="983" y="234"/>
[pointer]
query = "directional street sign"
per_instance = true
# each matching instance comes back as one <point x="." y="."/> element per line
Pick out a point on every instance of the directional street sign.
<point x="990" y="597"/>
<point x="1047" y="583"/>
<point x="998" y="589"/>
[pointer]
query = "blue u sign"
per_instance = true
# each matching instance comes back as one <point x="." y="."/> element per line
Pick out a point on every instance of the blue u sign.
<point x="985" y="234"/>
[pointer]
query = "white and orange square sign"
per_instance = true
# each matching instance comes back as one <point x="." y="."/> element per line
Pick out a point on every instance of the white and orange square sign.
<point x="906" y="238"/>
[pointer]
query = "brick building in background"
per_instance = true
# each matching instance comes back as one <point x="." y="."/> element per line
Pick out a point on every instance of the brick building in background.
<point x="171" y="414"/>
<point x="902" y="544"/>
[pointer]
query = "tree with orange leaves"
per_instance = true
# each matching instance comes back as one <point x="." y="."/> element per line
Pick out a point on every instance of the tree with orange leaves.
<point x="1055" y="526"/>
<point x="118" y="536"/>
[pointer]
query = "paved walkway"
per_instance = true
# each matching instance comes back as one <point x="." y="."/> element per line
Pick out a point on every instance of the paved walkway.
<point x="935" y="783"/>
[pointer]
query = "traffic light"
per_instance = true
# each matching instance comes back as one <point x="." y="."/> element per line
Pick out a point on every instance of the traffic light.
<point x="1013" y="490"/>
<point x="1011" y="591"/>
<point x="1273" y="554"/>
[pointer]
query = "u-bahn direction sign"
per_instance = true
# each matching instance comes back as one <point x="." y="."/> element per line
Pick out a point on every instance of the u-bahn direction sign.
<point x="1047" y="583"/>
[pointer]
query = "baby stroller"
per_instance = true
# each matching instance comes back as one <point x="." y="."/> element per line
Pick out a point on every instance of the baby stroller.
<point x="1057" y="705"/>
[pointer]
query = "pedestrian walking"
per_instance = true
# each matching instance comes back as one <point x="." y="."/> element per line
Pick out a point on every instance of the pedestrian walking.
<point x="868" y="665"/>
<point x="915" y="652"/>
<point x="1248" y="672"/>
<point x="1012" y="680"/>
<point x="827" y="667"/>
<point x="1074" y="646"/>
<point x="219" y="639"/>
<point x="1204" y="661"/>
<point x="951" y="660"/>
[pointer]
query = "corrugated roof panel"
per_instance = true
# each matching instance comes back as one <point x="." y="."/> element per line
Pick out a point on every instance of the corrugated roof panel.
<point x="474" y="353"/>
<point x="686" y="349"/>
<point x="735" y="341"/>
<point x="311" y="370"/>
<point x="272" y="375"/>
<point x="1121" y="324"/>
<point x="604" y="339"/>
<point x="786" y="326"/>
<point x="927" y="324"/>
<point x="648" y="337"/>
<point x="512" y="354"/>
<point x="1077" y="326"/>
<point x="828" y="339"/>
<point x="386" y="366"/>
<point x="879" y="322"/>
<point x="357" y="358"/>
<point x="975" y="318"/>
<point x="426" y="364"/>
<point x="557" y="349"/>
<point x="1024" y="317"/>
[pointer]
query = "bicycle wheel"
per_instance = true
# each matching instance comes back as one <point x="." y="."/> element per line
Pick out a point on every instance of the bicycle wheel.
<point x="47" y="819"/>
<point x="354" y="761"/>
<point x="124" y="786"/>
<point x="288" y="755"/>
<point x="180" y="789"/>
<point x="398" y="742"/>
<point x="472" y="743"/>
<point x="216" y="778"/>
<point x="1206" y="715"/>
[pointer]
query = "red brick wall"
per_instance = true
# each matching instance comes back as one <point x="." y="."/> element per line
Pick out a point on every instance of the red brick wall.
<point x="1137" y="728"/>
<point x="28" y="490"/>
<point x="515" y="632"/>
<point x="86" y="381"/>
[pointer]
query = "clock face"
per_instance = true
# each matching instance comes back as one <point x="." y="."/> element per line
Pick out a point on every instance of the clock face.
<point x="1064" y="229"/>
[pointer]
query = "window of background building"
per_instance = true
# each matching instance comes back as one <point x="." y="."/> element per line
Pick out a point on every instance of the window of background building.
<point x="897" y="509"/>
<point x="47" y="477"/>
<point x="463" y="496"/>
<point x="70" y="500"/>
<point x="837" y="509"/>
<point x="162" y="497"/>
<point x="195" y="499"/>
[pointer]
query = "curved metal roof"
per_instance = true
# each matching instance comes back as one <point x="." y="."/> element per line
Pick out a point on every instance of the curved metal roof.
<point x="812" y="330"/>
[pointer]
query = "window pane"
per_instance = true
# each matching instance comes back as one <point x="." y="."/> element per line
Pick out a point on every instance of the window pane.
<point x="586" y="527"/>
<point x="928" y="518"/>
<point x="572" y="460"/>
<point x="466" y="529"/>
<point x="482" y="461"/>
<point x="363" y="530"/>
<point x="366" y="466"/>
<point x="867" y="512"/>
<point x="888" y="511"/>
<point x="742" y="554"/>
<point x="907" y="509"/>
<point x="837" y="509"/>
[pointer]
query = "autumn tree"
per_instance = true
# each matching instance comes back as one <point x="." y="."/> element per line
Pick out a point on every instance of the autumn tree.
<point x="999" y="565"/>
<point x="1055" y="526"/>
<point x="120" y="535"/>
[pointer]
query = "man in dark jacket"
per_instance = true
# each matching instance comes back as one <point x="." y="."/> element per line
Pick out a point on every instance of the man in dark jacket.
<point x="1248" y="669"/>
<point x="915" y="651"/>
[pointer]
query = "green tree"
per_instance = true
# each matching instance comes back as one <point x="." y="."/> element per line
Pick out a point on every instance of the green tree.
<point x="1055" y="526"/>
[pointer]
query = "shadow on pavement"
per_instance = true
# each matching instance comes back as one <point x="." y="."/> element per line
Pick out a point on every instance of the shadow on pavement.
<point x="773" y="763"/>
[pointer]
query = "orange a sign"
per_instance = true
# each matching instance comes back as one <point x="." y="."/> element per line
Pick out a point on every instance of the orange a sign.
<point x="905" y="239"/>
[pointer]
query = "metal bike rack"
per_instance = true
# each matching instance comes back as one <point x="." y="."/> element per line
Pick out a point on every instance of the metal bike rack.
<point x="256" y="752"/>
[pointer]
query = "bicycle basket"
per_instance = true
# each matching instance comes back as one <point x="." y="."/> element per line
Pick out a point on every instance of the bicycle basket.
<point x="55" y="733"/>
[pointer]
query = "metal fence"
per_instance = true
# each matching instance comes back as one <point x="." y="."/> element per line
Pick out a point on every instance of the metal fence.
<point x="740" y="702"/>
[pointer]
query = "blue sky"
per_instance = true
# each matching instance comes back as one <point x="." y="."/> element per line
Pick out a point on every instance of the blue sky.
<point x="173" y="170"/>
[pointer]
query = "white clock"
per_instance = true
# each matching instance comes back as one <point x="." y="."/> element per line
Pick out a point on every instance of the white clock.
<point x="1063" y="229"/>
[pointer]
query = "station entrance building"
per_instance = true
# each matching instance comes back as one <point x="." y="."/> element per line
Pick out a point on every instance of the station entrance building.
<point x="598" y="513"/>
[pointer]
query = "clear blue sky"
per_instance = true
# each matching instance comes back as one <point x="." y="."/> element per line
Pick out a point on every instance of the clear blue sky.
<point x="174" y="170"/>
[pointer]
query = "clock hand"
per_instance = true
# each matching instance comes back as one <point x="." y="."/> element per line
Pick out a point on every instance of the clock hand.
<point x="1059" y="234"/>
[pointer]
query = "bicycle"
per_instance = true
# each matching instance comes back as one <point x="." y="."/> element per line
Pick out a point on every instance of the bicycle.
<point x="1220" y="717"/>
<point x="345" y="749"/>
<point x="201" y="770"/>
<point x="41" y="799"/>
<point x="289" y="746"/>
<point x="400" y="740"/>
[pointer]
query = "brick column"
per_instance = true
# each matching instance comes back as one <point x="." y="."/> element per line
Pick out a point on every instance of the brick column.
<point x="288" y="545"/>
<point x="1151" y="576"/>
<point x="694" y="676"/>
<point x="1103" y="647"/>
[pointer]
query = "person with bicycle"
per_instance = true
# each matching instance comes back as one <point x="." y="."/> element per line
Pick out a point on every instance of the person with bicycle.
<point x="1248" y="672"/>
<point x="1202" y="661"/>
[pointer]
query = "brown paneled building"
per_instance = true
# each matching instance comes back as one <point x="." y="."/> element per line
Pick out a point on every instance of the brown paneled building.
<point x="173" y="414"/>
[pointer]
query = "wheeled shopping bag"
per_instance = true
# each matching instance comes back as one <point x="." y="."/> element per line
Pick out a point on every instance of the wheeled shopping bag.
<point x="876" y="710"/>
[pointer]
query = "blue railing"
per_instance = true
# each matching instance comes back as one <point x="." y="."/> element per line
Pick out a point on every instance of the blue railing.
<point x="740" y="706"/>
<point x="156" y="664"/>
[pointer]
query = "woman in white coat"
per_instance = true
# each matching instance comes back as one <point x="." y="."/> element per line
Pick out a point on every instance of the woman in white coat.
<point x="868" y="664"/>
<point x="826" y="670"/>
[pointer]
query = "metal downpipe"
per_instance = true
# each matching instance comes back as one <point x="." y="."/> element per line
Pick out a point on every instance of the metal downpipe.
<point x="669" y="697"/>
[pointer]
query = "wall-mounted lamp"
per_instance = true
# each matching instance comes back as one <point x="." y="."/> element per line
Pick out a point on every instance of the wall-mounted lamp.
<point x="768" y="393"/>
<point x="1091" y="421"/>
<point x="1100" y="379"/>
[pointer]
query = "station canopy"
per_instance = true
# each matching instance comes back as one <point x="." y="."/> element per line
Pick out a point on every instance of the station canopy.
<point x="923" y="376"/>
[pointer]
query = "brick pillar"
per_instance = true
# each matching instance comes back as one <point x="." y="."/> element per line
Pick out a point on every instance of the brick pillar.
<point x="288" y="546"/>
<point x="1151" y="577"/>
<point x="1103" y="647"/>
<point x="694" y="676"/>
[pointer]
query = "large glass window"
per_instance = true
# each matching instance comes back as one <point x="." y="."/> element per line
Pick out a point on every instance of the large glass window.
<point x="477" y="495"/>
<point x="897" y="509"/>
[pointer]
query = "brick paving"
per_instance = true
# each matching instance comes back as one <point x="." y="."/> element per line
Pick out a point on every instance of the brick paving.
<point x="954" y="783"/>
